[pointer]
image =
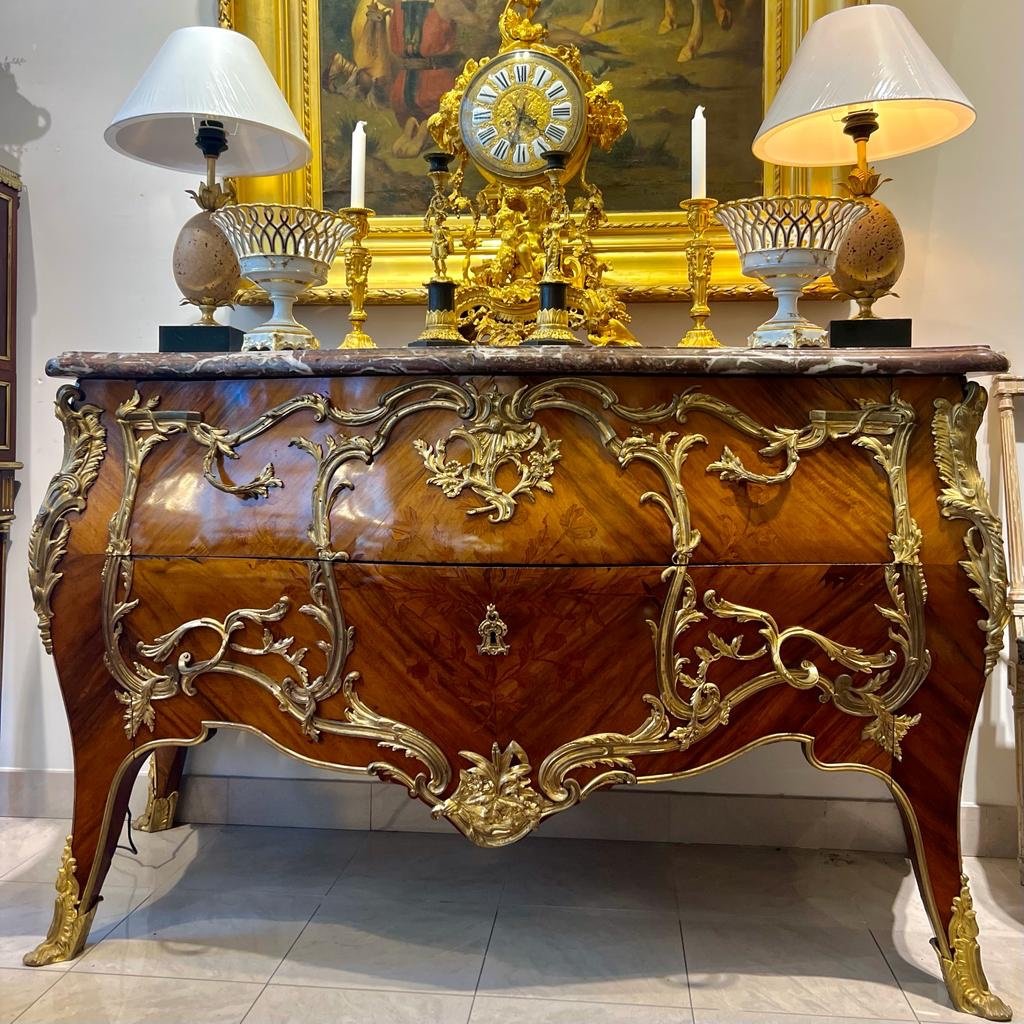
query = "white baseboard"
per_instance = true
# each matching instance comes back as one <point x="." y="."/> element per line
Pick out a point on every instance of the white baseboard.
<point x="987" y="830"/>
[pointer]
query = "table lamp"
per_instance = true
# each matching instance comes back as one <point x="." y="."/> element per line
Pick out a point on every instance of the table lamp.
<point x="863" y="74"/>
<point x="208" y="102"/>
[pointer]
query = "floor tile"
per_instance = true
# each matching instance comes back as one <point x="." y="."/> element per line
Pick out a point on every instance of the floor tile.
<point x="390" y="944"/>
<point x="181" y="933"/>
<point x="778" y="967"/>
<point x="585" y="873"/>
<point x="286" y="1004"/>
<point x="491" y="1010"/>
<point x="102" y="999"/>
<point x="276" y="859"/>
<point x="818" y="888"/>
<point x="26" y="910"/>
<point x="20" y="989"/>
<point x="162" y="857"/>
<point x="602" y="956"/>
<point x="401" y="865"/>
<point x="23" y="838"/>
<point x="759" y="1017"/>
<point x="1010" y="868"/>
<point x="757" y="881"/>
<point x="915" y="964"/>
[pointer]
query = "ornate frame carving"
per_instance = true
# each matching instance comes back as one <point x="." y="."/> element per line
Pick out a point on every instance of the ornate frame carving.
<point x="644" y="249"/>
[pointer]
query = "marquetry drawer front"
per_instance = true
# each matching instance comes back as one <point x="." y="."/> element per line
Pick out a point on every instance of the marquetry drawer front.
<point x="471" y="656"/>
<point x="617" y="471"/>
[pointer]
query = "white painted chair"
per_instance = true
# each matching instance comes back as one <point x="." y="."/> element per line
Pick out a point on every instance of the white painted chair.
<point x="1008" y="389"/>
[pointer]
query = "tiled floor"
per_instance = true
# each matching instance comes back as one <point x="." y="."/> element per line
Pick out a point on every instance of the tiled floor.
<point x="268" y="926"/>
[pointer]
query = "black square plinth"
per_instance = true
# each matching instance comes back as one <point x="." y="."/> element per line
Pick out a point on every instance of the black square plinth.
<point x="870" y="333"/>
<point x="196" y="338"/>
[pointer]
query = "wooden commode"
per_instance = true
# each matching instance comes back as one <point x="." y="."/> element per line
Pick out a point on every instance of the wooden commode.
<point x="506" y="578"/>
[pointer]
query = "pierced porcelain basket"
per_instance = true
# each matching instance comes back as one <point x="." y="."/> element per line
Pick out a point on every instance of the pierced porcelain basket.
<point x="285" y="250"/>
<point x="789" y="242"/>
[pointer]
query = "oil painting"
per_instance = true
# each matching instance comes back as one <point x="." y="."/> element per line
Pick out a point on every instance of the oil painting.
<point x="388" y="62"/>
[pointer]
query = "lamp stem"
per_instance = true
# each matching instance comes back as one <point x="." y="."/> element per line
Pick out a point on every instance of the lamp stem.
<point x="211" y="170"/>
<point x="862" y="155"/>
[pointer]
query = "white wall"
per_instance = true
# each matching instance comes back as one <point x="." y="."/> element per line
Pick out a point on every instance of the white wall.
<point x="97" y="232"/>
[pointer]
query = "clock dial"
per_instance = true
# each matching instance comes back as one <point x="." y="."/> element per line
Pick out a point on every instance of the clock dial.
<point x="516" y="107"/>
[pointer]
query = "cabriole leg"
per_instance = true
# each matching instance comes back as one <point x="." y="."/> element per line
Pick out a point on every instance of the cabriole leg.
<point x="90" y="847"/>
<point x="933" y="837"/>
<point x="165" y="772"/>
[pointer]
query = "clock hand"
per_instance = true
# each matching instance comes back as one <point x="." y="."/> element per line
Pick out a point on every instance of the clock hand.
<point x="519" y="124"/>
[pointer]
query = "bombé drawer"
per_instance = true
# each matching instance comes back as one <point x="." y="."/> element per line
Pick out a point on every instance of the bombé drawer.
<point x="472" y="472"/>
<point x="472" y="654"/>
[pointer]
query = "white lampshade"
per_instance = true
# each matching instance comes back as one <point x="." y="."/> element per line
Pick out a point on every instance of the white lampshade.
<point x="213" y="74"/>
<point x="861" y="58"/>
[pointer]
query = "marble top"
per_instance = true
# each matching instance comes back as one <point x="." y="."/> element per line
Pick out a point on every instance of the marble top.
<point x="549" y="359"/>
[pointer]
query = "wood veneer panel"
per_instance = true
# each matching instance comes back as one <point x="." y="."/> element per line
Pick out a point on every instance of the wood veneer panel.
<point x="581" y="656"/>
<point x="835" y="508"/>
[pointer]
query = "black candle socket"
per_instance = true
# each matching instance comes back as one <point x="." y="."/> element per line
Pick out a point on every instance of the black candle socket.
<point x="556" y="159"/>
<point x="438" y="162"/>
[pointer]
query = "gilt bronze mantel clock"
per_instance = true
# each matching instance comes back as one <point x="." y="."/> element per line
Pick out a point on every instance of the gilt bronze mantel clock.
<point x="503" y="115"/>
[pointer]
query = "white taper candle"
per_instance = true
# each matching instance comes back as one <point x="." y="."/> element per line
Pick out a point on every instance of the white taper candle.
<point x="698" y="156"/>
<point x="358" y="197"/>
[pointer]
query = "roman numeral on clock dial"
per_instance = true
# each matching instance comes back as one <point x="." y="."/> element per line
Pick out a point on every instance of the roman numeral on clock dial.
<point x="501" y="148"/>
<point x="555" y="132"/>
<point x="520" y="154"/>
<point x="503" y="78"/>
<point x="556" y="91"/>
<point x="540" y="146"/>
<point x="488" y="134"/>
<point x="563" y="111"/>
<point x="540" y="76"/>
<point x="522" y="73"/>
<point x="481" y="115"/>
<point x="486" y="94"/>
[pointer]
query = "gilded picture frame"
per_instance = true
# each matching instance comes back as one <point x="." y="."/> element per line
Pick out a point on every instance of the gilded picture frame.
<point x="644" y="250"/>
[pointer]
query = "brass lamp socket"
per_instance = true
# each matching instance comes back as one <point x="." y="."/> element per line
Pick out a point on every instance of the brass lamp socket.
<point x="860" y="125"/>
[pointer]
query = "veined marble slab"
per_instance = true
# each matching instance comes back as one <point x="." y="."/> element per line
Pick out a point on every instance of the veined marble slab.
<point x="549" y="359"/>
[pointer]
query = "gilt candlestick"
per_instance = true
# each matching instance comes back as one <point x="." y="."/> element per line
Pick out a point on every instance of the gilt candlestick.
<point x="700" y="255"/>
<point x="357" y="272"/>
<point x="553" y="313"/>
<point x="441" y="325"/>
